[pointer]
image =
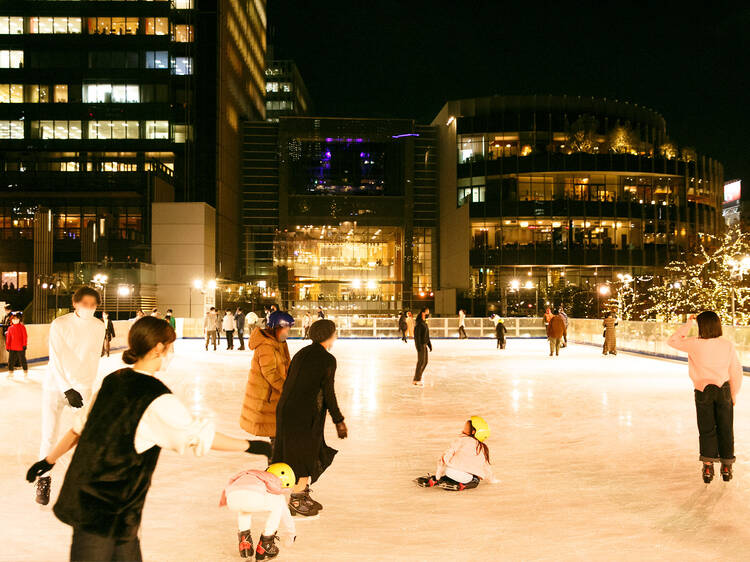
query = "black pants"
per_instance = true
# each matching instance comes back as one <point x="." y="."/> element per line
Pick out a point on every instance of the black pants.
<point x="241" y="337"/>
<point x="87" y="546"/>
<point x="422" y="358"/>
<point x="230" y="338"/>
<point x="403" y="335"/>
<point x="462" y="333"/>
<point x="17" y="359"/>
<point x="501" y="343"/>
<point x="715" y="423"/>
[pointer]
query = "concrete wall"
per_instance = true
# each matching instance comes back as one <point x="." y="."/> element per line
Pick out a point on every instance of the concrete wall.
<point x="651" y="337"/>
<point x="38" y="342"/>
<point x="183" y="250"/>
<point x="455" y="226"/>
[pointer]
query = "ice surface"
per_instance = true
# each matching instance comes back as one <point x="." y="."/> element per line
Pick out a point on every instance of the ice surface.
<point x="597" y="458"/>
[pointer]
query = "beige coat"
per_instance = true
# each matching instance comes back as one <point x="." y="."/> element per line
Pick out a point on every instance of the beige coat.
<point x="264" y="384"/>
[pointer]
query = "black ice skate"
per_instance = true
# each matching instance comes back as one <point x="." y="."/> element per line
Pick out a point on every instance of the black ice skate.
<point x="43" y="485"/>
<point x="726" y="472"/>
<point x="453" y="486"/>
<point x="310" y="501"/>
<point x="426" y="481"/>
<point x="267" y="548"/>
<point x="708" y="472"/>
<point x="298" y="505"/>
<point x="246" y="544"/>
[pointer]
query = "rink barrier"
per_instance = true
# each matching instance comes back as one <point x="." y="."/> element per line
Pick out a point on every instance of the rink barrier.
<point x="37" y="350"/>
<point x="650" y="338"/>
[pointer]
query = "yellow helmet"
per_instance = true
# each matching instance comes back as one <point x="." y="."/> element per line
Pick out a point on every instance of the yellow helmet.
<point x="481" y="428"/>
<point x="284" y="472"/>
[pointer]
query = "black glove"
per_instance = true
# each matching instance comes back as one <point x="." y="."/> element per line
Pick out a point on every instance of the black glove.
<point x="260" y="448"/>
<point x="342" y="430"/>
<point x="24" y="348"/>
<point x="430" y="346"/>
<point x="37" y="469"/>
<point x="74" y="398"/>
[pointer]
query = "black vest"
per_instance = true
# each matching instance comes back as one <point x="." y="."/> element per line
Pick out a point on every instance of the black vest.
<point x="107" y="481"/>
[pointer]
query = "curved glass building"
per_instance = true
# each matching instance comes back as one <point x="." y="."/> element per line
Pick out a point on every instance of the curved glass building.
<point x="544" y="187"/>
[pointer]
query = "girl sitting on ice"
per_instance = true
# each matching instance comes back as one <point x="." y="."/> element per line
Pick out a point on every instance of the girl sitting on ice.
<point x="255" y="491"/>
<point x="466" y="462"/>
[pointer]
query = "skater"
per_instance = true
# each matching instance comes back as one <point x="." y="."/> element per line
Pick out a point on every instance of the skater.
<point x="109" y="333"/>
<point x="169" y="317"/>
<point x="555" y="332"/>
<point x="610" y="337"/>
<point x="239" y="319"/>
<point x="564" y="316"/>
<point x="267" y="375"/>
<point x="256" y="491"/>
<point x="403" y="326"/>
<point x="75" y="347"/>
<point x="410" y="324"/>
<point x="16" y="340"/>
<point x="118" y="439"/>
<point x="209" y="325"/>
<point x="422" y="343"/>
<point x="155" y="313"/>
<point x="301" y="416"/>
<point x="716" y="373"/>
<point x="462" y="324"/>
<point x="547" y="316"/>
<point x="321" y="314"/>
<point x="466" y="462"/>
<point x="306" y="323"/>
<point x="500" y="332"/>
<point x="228" y="325"/>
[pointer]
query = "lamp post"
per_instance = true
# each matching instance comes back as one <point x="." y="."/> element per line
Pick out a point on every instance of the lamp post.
<point x="122" y="291"/>
<point x="603" y="291"/>
<point x="100" y="280"/>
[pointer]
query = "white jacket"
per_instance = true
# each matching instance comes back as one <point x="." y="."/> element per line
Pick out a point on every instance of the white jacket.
<point x="228" y="323"/>
<point x="75" y="346"/>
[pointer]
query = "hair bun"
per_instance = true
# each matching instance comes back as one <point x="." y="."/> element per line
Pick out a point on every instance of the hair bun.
<point x="129" y="357"/>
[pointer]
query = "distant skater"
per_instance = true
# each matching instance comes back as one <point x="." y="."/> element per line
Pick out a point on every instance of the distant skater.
<point x="410" y="324"/>
<point x="306" y="323"/>
<point x="16" y="340"/>
<point x="716" y="373"/>
<point x="564" y="316"/>
<point x="403" y="326"/>
<point x="500" y="331"/>
<point x="109" y="334"/>
<point x="462" y="325"/>
<point x="555" y="332"/>
<point x="610" y="336"/>
<point x="423" y="344"/>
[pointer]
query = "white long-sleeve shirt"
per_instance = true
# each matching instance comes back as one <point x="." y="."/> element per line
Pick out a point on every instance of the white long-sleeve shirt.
<point x="166" y="423"/>
<point x="228" y="324"/>
<point x="75" y="346"/>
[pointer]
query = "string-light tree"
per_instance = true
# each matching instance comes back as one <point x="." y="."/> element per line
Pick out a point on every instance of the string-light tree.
<point x="711" y="277"/>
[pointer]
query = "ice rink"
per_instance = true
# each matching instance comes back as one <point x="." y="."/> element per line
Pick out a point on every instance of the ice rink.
<point x="597" y="458"/>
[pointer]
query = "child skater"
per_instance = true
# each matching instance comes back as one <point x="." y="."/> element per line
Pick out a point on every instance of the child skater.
<point x="717" y="376"/>
<point x="15" y="343"/>
<point x="466" y="462"/>
<point x="256" y="491"/>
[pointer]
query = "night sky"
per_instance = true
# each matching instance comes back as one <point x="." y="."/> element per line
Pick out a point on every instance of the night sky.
<point x="386" y="58"/>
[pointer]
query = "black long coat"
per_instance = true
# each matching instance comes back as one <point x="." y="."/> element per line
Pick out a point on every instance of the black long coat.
<point x="301" y="413"/>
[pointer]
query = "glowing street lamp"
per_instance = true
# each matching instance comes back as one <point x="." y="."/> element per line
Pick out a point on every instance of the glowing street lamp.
<point x="515" y="284"/>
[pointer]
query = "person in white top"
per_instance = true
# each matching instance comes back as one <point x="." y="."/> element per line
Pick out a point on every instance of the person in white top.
<point x="462" y="324"/>
<point x="75" y="346"/>
<point x="228" y="325"/>
<point x="118" y="436"/>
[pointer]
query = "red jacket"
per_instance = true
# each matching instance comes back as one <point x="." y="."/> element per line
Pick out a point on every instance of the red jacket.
<point x="15" y="338"/>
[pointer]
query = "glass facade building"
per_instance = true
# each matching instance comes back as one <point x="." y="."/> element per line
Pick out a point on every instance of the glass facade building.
<point x="555" y="186"/>
<point x="341" y="213"/>
<point x="98" y="119"/>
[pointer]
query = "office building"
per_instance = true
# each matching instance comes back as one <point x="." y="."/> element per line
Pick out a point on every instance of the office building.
<point x="286" y="93"/>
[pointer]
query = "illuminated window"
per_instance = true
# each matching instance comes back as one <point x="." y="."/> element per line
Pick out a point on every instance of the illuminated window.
<point x="11" y="130"/>
<point x="157" y="26"/>
<point x="113" y="26"/>
<point x="183" y="4"/>
<point x="272" y="86"/>
<point x="182" y="65"/>
<point x="46" y="25"/>
<point x="11" y="59"/>
<point x="11" y="93"/>
<point x="11" y="25"/>
<point x="181" y="133"/>
<point x="61" y="93"/>
<point x="157" y="59"/>
<point x="37" y="93"/>
<point x="157" y="130"/>
<point x="183" y="34"/>
<point x="113" y="129"/>
<point x="286" y="87"/>
<point x="111" y="93"/>
<point x="56" y="129"/>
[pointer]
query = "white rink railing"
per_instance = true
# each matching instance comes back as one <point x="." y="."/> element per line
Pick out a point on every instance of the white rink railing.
<point x="387" y="327"/>
<point x="651" y="337"/>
